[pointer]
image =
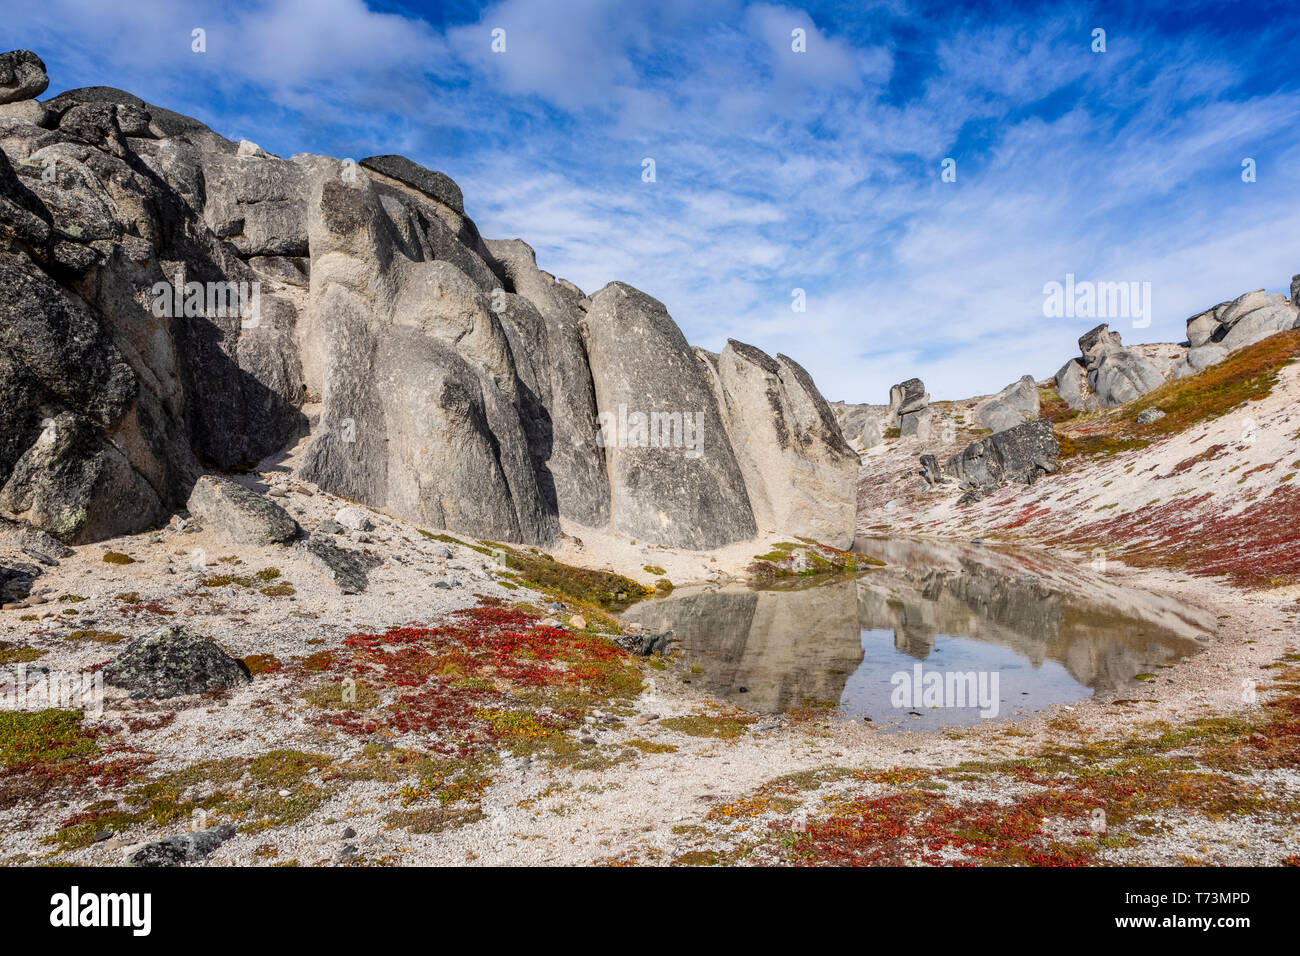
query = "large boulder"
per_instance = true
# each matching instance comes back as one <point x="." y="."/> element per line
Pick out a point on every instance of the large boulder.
<point x="437" y="186"/>
<point x="350" y="569"/>
<point x="173" y="661"/>
<point x="1072" y="384"/>
<point x="1120" y="375"/>
<point x="1096" y="341"/>
<point x="800" y="473"/>
<point x="674" y="479"/>
<point x="1257" y="325"/>
<point x="1020" y="454"/>
<point x="22" y="76"/>
<point x="182" y="848"/>
<point x="1200" y="328"/>
<point x="1015" y="404"/>
<point x="240" y="513"/>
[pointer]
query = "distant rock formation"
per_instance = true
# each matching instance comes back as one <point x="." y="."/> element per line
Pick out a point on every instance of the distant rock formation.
<point x="909" y="408"/>
<point x="1017" y="403"/>
<point x="1021" y="454"/>
<point x="1107" y="374"/>
<point x="1216" y="333"/>
<point x="173" y="302"/>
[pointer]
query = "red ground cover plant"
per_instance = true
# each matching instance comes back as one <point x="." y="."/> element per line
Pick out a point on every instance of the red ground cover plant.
<point x="495" y="675"/>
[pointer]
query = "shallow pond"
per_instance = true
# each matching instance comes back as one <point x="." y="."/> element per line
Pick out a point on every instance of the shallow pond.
<point x="944" y="635"/>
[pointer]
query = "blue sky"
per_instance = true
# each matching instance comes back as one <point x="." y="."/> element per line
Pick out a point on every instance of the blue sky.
<point x="778" y="170"/>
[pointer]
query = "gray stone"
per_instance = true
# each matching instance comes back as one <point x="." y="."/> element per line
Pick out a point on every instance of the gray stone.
<point x="1257" y="325"/>
<point x="1232" y="312"/>
<point x="1295" y="290"/>
<point x="907" y="397"/>
<point x="1200" y="328"/>
<point x="548" y="340"/>
<point x="439" y="371"/>
<point x="1096" y="341"/>
<point x="433" y="184"/>
<point x="1120" y="375"/>
<point x="1017" y="403"/>
<point x="43" y="547"/>
<point x="258" y="202"/>
<point x="351" y="569"/>
<point x="353" y="518"/>
<point x="1071" y="382"/>
<point x="1205" y="356"/>
<point x="800" y="474"/>
<point x="1021" y="454"/>
<point x="239" y="513"/>
<point x="182" y="848"/>
<point x="915" y="423"/>
<point x="173" y="661"/>
<point x="664" y="491"/>
<point x="1149" y="415"/>
<point x="930" y="470"/>
<point x="22" y="76"/>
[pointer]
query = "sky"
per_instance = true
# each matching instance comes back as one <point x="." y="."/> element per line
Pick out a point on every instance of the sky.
<point x="793" y="148"/>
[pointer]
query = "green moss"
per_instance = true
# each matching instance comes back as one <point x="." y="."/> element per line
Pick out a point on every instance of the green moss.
<point x="653" y="569"/>
<point x="114" y="557"/>
<point x="434" y="819"/>
<point x="16" y="654"/>
<point x="330" y="697"/>
<point x="727" y="728"/>
<point x="604" y="589"/>
<point x="30" y="739"/>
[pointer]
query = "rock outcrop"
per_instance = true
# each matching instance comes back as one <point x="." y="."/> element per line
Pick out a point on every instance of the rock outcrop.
<point x="673" y="475"/>
<point x="1020" y="454"/>
<point x="172" y="299"/>
<point x="1014" y="405"/>
<point x="239" y="513"/>
<point x="909" y="408"/>
<point x="799" y="471"/>
<point x="1216" y="333"/>
<point x="1107" y="374"/>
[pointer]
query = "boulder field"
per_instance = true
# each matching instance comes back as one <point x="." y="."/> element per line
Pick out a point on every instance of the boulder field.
<point x="177" y="303"/>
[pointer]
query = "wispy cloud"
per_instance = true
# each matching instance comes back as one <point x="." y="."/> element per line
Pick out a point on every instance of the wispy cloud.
<point x="778" y="169"/>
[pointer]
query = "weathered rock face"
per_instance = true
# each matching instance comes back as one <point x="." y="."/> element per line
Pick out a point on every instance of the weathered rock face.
<point x="800" y="473"/>
<point x="1015" y="404"/>
<point x="172" y="661"/>
<point x="674" y="479"/>
<point x="909" y="408"/>
<point x="548" y="338"/>
<point x="415" y="364"/>
<point x="860" y="424"/>
<point x="1121" y="375"/>
<point x="1214" y="334"/>
<point x="170" y="299"/>
<point x="1020" y="454"/>
<point x="22" y="76"/>
<point x="1107" y="374"/>
<point x="116" y="395"/>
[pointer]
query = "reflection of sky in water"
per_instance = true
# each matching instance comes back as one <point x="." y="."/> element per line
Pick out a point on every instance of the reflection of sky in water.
<point x="1022" y="686"/>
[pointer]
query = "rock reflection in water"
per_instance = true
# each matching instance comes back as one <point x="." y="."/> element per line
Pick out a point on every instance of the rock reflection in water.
<point x="1052" y="632"/>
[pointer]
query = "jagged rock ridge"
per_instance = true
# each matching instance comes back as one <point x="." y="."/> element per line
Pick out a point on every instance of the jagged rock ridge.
<point x="177" y="302"/>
